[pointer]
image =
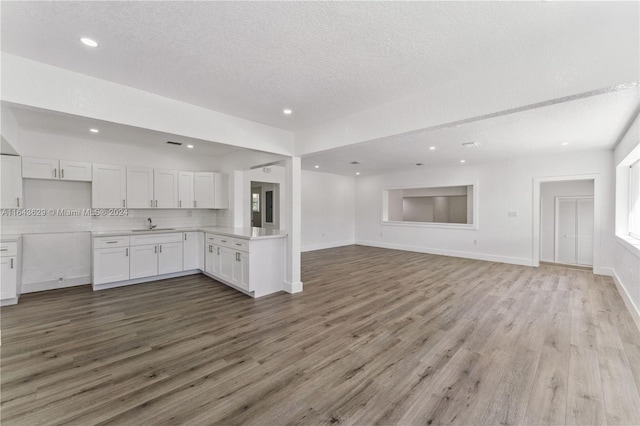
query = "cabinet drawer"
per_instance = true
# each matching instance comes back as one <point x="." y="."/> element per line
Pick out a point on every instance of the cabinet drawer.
<point x="112" y="242"/>
<point x="139" y="240"/>
<point x="234" y="243"/>
<point x="212" y="238"/>
<point x="8" y="249"/>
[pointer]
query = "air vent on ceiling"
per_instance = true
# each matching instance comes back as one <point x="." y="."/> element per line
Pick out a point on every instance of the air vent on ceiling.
<point x="174" y="143"/>
<point x="471" y="144"/>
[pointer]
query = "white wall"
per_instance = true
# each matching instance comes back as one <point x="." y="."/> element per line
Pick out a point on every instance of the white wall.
<point x="328" y="210"/>
<point x="501" y="187"/>
<point x="548" y="193"/>
<point x="9" y="133"/>
<point x="627" y="252"/>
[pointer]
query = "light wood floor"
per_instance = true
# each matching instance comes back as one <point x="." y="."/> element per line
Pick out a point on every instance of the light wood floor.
<point x="377" y="337"/>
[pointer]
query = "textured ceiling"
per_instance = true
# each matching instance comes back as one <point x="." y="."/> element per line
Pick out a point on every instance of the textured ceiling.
<point x="322" y="59"/>
<point x="590" y="123"/>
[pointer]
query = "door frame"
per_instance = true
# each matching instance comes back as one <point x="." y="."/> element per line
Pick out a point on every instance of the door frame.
<point x="555" y="224"/>
<point x="597" y="208"/>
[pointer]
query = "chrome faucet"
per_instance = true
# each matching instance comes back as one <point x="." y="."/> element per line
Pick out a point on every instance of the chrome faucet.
<point x="151" y="225"/>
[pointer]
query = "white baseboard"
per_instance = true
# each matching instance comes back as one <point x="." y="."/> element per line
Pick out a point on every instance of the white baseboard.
<point x="633" y="309"/>
<point x="453" y="253"/>
<point x="603" y="270"/>
<point x="54" y="284"/>
<point x="314" y="247"/>
<point x="105" y="286"/>
<point x="292" y="287"/>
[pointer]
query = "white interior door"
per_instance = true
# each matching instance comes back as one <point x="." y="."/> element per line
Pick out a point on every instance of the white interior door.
<point x="566" y="230"/>
<point x="574" y="230"/>
<point x="584" y="243"/>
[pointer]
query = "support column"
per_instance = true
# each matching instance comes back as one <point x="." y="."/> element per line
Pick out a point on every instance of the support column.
<point x="292" y="283"/>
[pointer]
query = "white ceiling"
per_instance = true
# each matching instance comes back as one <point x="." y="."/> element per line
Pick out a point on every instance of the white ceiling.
<point x="322" y="59"/>
<point x="593" y="122"/>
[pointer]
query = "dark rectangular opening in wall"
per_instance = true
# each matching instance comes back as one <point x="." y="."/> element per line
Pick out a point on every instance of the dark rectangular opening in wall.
<point x="269" y="206"/>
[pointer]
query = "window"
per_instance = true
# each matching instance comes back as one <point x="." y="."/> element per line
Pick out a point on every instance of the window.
<point x="634" y="200"/>
<point x="255" y="203"/>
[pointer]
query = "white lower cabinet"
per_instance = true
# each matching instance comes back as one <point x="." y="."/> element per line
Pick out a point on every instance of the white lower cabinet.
<point x="192" y="251"/>
<point x="144" y="261"/>
<point x="254" y="266"/>
<point x="169" y="258"/>
<point x="8" y="277"/>
<point x="110" y="265"/>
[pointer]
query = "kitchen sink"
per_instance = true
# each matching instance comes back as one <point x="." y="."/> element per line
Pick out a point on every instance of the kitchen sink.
<point x="154" y="230"/>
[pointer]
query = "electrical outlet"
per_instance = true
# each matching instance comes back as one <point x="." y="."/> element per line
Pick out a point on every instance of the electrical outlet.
<point x="60" y="279"/>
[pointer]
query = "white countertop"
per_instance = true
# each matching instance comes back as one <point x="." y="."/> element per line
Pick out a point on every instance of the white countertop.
<point x="245" y="233"/>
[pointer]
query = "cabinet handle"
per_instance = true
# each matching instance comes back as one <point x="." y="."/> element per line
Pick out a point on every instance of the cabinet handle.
<point x="180" y="203"/>
<point x="156" y="203"/>
<point x="61" y="173"/>
<point x="111" y="242"/>
<point x="224" y="241"/>
<point x="123" y="203"/>
<point x="209" y="248"/>
<point x="12" y="263"/>
<point x="185" y="236"/>
<point x="195" y="203"/>
<point x="160" y="248"/>
<point x="4" y="249"/>
<point x="155" y="249"/>
<point x="218" y="251"/>
<point x="150" y="203"/>
<point x="18" y="200"/>
<point x="55" y="173"/>
<point x="126" y="252"/>
<point x="238" y="244"/>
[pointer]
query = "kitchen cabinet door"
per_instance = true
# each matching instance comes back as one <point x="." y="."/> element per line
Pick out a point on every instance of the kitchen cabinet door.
<point x="8" y="277"/>
<point x="165" y="189"/>
<point x="140" y="188"/>
<point x="241" y="270"/>
<point x="185" y="190"/>
<point x="192" y="251"/>
<point x="144" y="261"/>
<point x="110" y="265"/>
<point x="75" y="170"/>
<point x="203" y="190"/>
<point x="109" y="186"/>
<point x="169" y="258"/>
<point x="11" y="182"/>
<point x="227" y="258"/>
<point x="40" y="168"/>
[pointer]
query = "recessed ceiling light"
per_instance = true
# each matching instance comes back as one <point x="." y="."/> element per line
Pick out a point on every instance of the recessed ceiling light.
<point x="432" y="148"/>
<point x="94" y="130"/>
<point x="317" y="167"/>
<point x="564" y="143"/>
<point x="463" y="161"/>
<point x="287" y="111"/>
<point x="189" y="146"/>
<point x="357" y="173"/>
<point x="88" y="42"/>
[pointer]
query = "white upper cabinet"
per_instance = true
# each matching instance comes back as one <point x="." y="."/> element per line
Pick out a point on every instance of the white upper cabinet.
<point x="109" y="186"/>
<point x="211" y="190"/>
<point x="75" y="170"/>
<point x="11" y="183"/>
<point x="185" y="190"/>
<point x="48" y="168"/>
<point x="165" y="188"/>
<point x="203" y="190"/>
<point x="140" y="188"/>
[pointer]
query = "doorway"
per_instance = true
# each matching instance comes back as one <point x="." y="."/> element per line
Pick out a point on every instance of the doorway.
<point x="574" y="230"/>
<point x="566" y="223"/>
<point x="265" y="205"/>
